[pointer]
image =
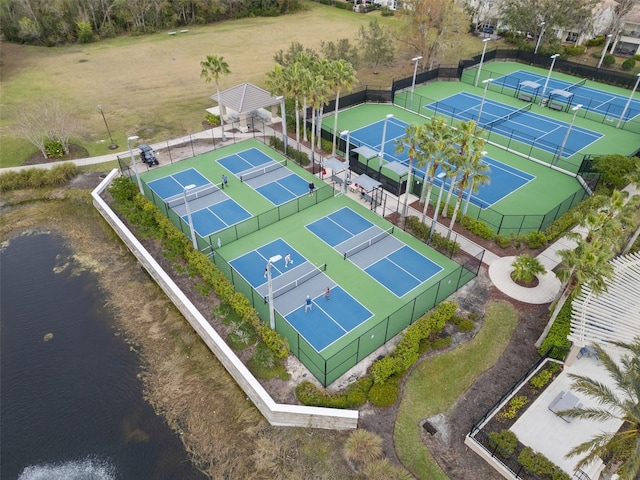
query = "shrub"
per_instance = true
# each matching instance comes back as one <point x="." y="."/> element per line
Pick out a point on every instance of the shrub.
<point x="385" y="394"/>
<point x="557" y="336"/>
<point x="541" y="379"/>
<point x="608" y="60"/>
<point x="502" y="241"/>
<point x="440" y="241"/>
<point x="594" y="42"/>
<point x="514" y="406"/>
<point x="505" y="440"/>
<point x="636" y="57"/>
<point x="477" y="227"/>
<point x="462" y="324"/>
<point x="541" y="465"/>
<point x="355" y="395"/>
<point x="536" y="240"/>
<point x="575" y="51"/>
<point x="54" y="149"/>
<point x="213" y="120"/>
<point x="628" y="64"/>
<point x="84" y="32"/>
<point x="441" y="343"/>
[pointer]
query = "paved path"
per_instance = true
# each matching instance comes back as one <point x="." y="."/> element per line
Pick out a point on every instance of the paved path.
<point x="500" y="268"/>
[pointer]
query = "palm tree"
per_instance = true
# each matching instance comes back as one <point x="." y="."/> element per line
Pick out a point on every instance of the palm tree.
<point x="634" y="178"/>
<point x="344" y="77"/>
<point x="318" y="97"/>
<point x="472" y="174"/>
<point x="451" y="170"/>
<point x="413" y="139"/>
<point x="588" y="264"/>
<point x="526" y="267"/>
<point x="621" y="401"/>
<point x="212" y="68"/>
<point x="298" y="78"/>
<point x="478" y="176"/>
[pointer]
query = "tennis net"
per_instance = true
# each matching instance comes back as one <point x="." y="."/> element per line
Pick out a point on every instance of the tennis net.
<point x="575" y="85"/>
<point x="194" y="194"/>
<point x="256" y="172"/>
<point x="367" y="243"/>
<point x="508" y="116"/>
<point x="299" y="281"/>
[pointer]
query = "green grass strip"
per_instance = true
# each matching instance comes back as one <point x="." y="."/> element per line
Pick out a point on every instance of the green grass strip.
<point x="438" y="382"/>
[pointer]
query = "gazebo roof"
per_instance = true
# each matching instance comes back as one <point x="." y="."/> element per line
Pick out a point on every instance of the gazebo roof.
<point x="367" y="182"/>
<point x="366" y="152"/>
<point x="245" y="98"/>
<point x="612" y="315"/>
<point x="335" y="165"/>
<point x="530" y="84"/>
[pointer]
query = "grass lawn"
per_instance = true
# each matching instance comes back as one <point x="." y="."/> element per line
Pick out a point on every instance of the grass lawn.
<point x="150" y="85"/>
<point x="436" y="383"/>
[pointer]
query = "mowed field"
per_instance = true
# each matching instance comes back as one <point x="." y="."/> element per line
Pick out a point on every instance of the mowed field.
<point x="150" y="85"/>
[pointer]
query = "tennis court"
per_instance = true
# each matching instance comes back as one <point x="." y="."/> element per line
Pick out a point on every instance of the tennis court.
<point x="327" y="319"/>
<point x="269" y="177"/>
<point x="390" y="262"/>
<point x="592" y="99"/>
<point x="504" y="178"/>
<point x="517" y="123"/>
<point x="211" y="209"/>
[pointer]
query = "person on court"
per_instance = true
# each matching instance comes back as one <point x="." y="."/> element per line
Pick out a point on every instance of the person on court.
<point x="307" y="304"/>
<point x="287" y="260"/>
<point x="225" y="181"/>
<point x="327" y="293"/>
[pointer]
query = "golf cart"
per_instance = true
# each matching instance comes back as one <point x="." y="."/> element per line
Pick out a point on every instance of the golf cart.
<point x="147" y="155"/>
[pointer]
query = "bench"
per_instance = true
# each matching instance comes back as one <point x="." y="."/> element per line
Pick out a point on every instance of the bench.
<point x="524" y="97"/>
<point x="564" y="401"/>
<point x="556" y="106"/>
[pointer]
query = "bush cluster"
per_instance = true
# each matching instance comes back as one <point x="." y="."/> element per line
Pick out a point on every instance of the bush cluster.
<point x="540" y="465"/>
<point x="421" y="231"/>
<point x="406" y="352"/>
<point x="541" y="379"/>
<point x="608" y="60"/>
<point x="477" y="227"/>
<point x="143" y="213"/>
<point x="514" y="406"/>
<point x="301" y="158"/>
<point x="462" y="324"/>
<point x="385" y="394"/>
<point x="594" y="42"/>
<point x="557" y="337"/>
<point x="575" y="51"/>
<point x="213" y="120"/>
<point x="37" y="177"/>
<point x="505" y="440"/>
<point x="628" y="65"/>
<point x="354" y="396"/>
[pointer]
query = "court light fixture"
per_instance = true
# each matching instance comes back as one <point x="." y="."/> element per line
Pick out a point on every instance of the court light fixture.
<point x="484" y="97"/>
<point x="130" y="139"/>
<point x="484" y="50"/>
<point x="626" y="107"/>
<point x="546" y="82"/>
<point x="272" y="315"/>
<point x="413" y="83"/>
<point x="566" y="136"/>
<point x="186" y="204"/>
<point x="535" y="51"/>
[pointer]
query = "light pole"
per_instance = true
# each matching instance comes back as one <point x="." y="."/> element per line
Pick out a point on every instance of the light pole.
<point x="546" y="82"/>
<point x="133" y="162"/>
<point x="566" y="136"/>
<point x="413" y="83"/>
<point x="272" y="315"/>
<point x="628" y="102"/>
<point x="346" y="155"/>
<point x="113" y="145"/>
<point x="484" y="50"/>
<point x="535" y="51"/>
<point x="484" y="97"/>
<point x="604" y="50"/>
<point x="384" y="136"/>
<point x="186" y="204"/>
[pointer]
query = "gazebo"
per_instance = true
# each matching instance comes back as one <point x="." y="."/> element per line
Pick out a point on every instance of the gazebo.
<point x="246" y="100"/>
<point x="612" y="315"/>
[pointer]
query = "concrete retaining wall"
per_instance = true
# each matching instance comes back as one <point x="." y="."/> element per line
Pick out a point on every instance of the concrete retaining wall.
<point x="275" y="413"/>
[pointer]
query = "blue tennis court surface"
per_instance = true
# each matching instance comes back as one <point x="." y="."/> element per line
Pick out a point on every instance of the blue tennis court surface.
<point x="592" y="99"/>
<point x="211" y="209"/>
<point x="504" y="178"/>
<point x="526" y="127"/>
<point x="390" y="262"/>
<point x="245" y="160"/>
<point x="328" y="319"/>
<point x="267" y="176"/>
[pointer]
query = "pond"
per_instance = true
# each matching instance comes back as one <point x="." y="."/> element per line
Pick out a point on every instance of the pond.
<point x="72" y="404"/>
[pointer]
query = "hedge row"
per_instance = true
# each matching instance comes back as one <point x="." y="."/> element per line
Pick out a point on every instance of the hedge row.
<point x="407" y="351"/>
<point x="37" y="177"/>
<point x="354" y="396"/>
<point x="142" y="212"/>
<point x="301" y="158"/>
